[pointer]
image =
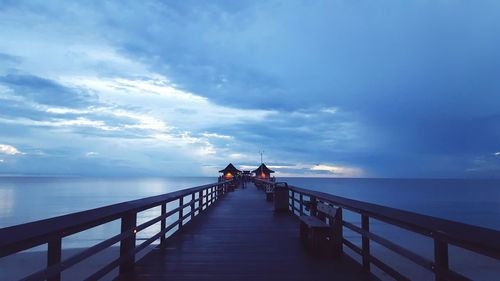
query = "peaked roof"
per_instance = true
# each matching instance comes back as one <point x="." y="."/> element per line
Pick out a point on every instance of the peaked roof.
<point x="262" y="169"/>
<point x="230" y="169"/>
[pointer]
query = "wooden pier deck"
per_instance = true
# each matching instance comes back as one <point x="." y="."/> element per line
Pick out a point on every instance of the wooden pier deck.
<point x="241" y="238"/>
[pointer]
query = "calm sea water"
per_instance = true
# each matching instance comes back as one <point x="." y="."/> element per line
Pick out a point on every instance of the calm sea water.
<point x="25" y="199"/>
<point x="473" y="201"/>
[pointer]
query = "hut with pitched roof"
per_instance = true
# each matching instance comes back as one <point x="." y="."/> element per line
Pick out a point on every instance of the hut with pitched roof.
<point x="263" y="172"/>
<point x="229" y="172"/>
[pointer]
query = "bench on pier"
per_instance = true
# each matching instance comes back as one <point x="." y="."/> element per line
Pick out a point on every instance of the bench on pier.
<point x="320" y="237"/>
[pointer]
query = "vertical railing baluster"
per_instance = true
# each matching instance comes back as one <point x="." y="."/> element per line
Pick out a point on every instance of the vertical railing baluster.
<point x="365" y="243"/>
<point x="192" y="204"/>
<point x="200" y="204"/>
<point x="127" y="245"/>
<point x="293" y="202"/>
<point x="163" y="224"/>
<point x="54" y="256"/>
<point x="301" y="204"/>
<point x="208" y="197"/>
<point x="181" y="210"/>
<point x="440" y="259"/>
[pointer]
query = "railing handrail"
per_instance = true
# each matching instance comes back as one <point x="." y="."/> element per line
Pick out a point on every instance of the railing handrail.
<point x="443" y="232"/>
<point x="25" y="236"/>
<point x="475" y="238"/>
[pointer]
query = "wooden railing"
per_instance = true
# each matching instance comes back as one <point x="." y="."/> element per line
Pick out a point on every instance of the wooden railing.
<point x="443" y="232"/>
<point x="51" y="231"/>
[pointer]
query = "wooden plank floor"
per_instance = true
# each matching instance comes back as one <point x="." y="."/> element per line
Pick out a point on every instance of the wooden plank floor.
<point x="241" y="238"/>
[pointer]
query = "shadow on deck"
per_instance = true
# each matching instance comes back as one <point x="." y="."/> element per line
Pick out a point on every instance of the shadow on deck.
<point x="241" y="238"/>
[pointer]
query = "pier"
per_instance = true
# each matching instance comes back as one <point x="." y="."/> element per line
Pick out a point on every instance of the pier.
<point x="242" y="238"/>
<point x="210" y="233"/>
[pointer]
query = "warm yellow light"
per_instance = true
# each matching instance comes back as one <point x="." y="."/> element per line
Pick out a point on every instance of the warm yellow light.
<point x="229" y="175"/>
<point x="262" y="175"/>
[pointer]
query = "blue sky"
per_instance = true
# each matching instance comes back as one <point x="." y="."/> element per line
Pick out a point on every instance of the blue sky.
<point x="325" y="88"/>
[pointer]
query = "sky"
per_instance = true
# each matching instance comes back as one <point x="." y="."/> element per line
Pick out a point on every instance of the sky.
<point x="363" y="88"/>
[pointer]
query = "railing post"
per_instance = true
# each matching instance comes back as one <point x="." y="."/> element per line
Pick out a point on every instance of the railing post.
<point x="365" y="243"/>
<point x="200" y="204"/>
<point x="338" y="235"/>
<point x="314" y="206"/>
<point x="127" y="245"/>
<point x="301" y="204"/>
<point x="181" y="210"/>
<point x="293" y="202"/>
<point x="440" y="259"/>
<point x="211" y="195"/>
<point x="163" y="224"/>
<point x="54" y="256"/>
<point x="192" y="204"/>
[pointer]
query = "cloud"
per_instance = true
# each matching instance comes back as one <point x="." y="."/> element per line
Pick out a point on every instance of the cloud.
<point x="359" y="90"/>
<point x="311" y="170"/>
<point x="330" y="110"/>
<point x="9" y="150"/>
<point x="217" y="136"/>
<point x="338" y="170"/>
<point x="44" y="91"/>
<point x="496" y="153"/>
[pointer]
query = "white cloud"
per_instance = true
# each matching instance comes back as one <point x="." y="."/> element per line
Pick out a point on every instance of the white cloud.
<point x="145" y="121"/>
<point x="497" y="153"/>
<point x="91" y="154"/>
<point x="248" y="167"/>
<point x="9" y="150"/>
<point x="217" y="136"/>
<point x="330" y="110"/>
<point x="190" y="145"/>
<point x="163" y="101"/>
<point x="235" y="155"/>
<point x="338" y="170"/>
<point x="78" y="122"/>
<point x="310" y="169"/>
<point x="65" y="110"/>
<point x="1" y="160"/>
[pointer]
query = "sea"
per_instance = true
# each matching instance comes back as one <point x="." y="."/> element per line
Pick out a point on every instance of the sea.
<point x="472" y="201"/>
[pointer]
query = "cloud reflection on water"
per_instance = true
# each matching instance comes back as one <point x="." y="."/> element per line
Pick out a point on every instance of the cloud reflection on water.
<point x="6" y="201"/>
